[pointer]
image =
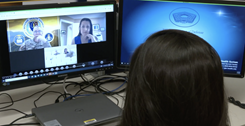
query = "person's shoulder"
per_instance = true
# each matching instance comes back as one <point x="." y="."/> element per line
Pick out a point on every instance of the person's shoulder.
<point x="28" y="41"/>
<point x="47" y="44"/>
<point x="76" y="37"/>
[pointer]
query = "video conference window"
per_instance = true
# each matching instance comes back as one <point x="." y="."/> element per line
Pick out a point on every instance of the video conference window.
<point x="52" y="41"/>
<point x="44" y="32"/>
<point x="60" y="56"/>
<point x="82" y="29"/>
<point x="32" y="33"/>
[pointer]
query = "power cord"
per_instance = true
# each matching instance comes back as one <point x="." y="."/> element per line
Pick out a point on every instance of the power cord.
<point x="12" y="102"/>
<point x="25" y="116"/>
<point x="237" y="103"/>
<point x="46" y="93"/>
<point x="14" y="110"/>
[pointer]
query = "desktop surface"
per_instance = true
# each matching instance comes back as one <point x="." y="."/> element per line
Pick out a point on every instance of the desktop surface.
<point x="236" y="114"/>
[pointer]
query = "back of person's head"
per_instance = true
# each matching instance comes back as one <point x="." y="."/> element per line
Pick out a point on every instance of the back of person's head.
<point x="175" y="79"/>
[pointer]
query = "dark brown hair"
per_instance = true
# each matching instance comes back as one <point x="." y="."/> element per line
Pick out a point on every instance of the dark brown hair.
<point x="175" y="79"/>
<point x="91" y="26"/>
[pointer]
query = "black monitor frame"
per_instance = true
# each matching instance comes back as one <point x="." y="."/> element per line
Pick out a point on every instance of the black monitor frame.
<point x="111" y="39"/>
<point x="125" y="66"/>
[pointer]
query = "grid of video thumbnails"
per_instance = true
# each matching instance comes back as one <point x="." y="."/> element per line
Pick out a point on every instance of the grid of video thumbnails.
<point x="55" y="38"/>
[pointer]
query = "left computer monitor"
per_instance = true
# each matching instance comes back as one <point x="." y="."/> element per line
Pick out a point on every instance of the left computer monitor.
<point x="45" y="42"/>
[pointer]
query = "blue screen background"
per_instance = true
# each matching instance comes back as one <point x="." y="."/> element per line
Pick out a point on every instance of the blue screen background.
<point x="222" y="26"/>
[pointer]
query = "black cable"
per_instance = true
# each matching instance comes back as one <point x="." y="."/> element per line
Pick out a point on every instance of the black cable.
<point x="12" y="102"/>
<point x="237" y="103"/>
<point x="13" y="110"/>
<point x="99" y="89"/>
<point x="81" y="89"/>
<point x="22" y="117"/>
<point x="96" y="83"/>
<point x="22" y="124"/>
<point x="29" y="96"/>
<point x="83" y="78"/>
<point x="64" y="96"/>
<point x="107" y="92"/>
<point x="75" y="84"/>
<point x="116" y="99"/>
<point x="123" y="97"/>
<point x="26" y="116"/>
<point x="44" y="94"/>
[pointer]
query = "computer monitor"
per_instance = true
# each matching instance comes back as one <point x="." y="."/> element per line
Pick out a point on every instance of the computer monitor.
<point x="51" y="41"/>
<point x="221" y="23"/>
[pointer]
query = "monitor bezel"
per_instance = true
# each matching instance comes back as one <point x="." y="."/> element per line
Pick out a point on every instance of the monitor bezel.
<point x="46" y="79"/>
<point x="119" y="36"/>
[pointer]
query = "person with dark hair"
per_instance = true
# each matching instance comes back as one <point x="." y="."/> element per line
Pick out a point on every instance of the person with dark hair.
<point x="85" y="34"/>
<point x="175" y="79"/>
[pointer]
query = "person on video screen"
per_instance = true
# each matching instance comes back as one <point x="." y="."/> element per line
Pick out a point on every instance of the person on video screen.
<point x="37" y="42"/>
<point x="85" y="34"/>
<point x="68" y="53"/>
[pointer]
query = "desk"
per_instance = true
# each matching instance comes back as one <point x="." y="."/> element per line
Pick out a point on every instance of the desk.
<point x="236" y="114"/>
<point x="27" y="104"/>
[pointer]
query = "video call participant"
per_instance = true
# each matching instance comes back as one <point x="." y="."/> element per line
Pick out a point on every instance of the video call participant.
<point x="85" y="34"/>
<point x="37" y="42"/>
<point x="68" y="53"/>
<point x="175" y="79"/>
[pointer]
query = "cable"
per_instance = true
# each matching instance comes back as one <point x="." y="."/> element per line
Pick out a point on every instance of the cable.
<point x="112" y="92"/>
<point x="43" y="95"/>
<point x="111" y="95"/>
<point x="116" y="99"/>
<point x="85" y="79"/>
<point x="29" y="96"/>
<point x="12" y="102"/>
<point x="77" y="96"/>
<point x="81" y="89"/>
<point x="64" y="87"/>
<point x="237" y="103"/>
<point x="22" y="124"/>
<point x="64" y="96"/>
<point x="93" y="94"/>
<point x="13" y="110"/>
<point x="104" y="77"/>
<point x="25" y="116"/>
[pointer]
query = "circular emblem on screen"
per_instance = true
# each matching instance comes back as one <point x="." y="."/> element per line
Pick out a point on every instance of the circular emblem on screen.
<point x="19" y="40"/>
<point x="49" y="37"/>
<point x="29" y="24"/>
<point x="184" y="17"/>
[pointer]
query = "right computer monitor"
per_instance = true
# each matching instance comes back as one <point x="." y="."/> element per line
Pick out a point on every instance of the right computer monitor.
<point x="221" y="23"/>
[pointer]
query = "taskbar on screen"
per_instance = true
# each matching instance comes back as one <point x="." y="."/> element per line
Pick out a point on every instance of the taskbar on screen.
<point x="100" y="65"/>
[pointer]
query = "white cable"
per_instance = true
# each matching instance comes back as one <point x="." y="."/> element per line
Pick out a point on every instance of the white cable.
<point x="64" y="86"/>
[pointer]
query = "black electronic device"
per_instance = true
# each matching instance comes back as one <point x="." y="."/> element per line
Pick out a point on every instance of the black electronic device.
<point x="46" y="42"/>
<point x="221" y="23"/>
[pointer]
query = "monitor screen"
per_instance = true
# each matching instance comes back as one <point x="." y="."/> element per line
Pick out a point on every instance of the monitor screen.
<point x="220" y="23"/>
<point x="45" y="42"/>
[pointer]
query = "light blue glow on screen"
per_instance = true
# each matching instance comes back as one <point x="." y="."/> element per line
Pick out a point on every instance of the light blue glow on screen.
<point x="221" y="26"/>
